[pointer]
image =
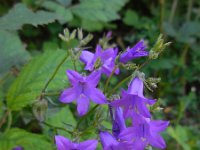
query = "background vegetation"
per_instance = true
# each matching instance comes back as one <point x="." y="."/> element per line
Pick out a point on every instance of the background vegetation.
<point x="31" y="49"/>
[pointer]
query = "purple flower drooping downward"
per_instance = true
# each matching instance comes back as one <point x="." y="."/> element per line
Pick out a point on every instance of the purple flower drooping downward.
<point x="118" y="122"/>
<point x="133" y="100"/>
<point x="83" y="89"/>
<point x="135" y="52"/>
<point x="106" y="59"/>
<point x="63" y="143"/>
<point x="109" y="142"/>
<point x="145" y="131"/>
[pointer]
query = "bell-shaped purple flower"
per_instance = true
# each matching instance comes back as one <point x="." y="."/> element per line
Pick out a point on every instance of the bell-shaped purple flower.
<point x="135" y="52"/>
<point x="63" y="143"/>
<point x="110" y="143"/>
<point x="133" y="100"/>
<point x="83" y="89"/>
<point x="18" y="148"/>
<point x="118" y="122"/>
<point x="105" y="58"/>
<point x="145" y="131"/>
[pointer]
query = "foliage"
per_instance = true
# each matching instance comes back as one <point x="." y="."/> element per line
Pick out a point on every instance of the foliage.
<point x="31" y="50"/>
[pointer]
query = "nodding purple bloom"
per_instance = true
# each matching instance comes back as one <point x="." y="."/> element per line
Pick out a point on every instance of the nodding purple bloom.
<point x="118" y="122"/>
<point x="135" y="52"/>
<point x="63" y="143"/>
<point x="133" y="100"/>
<point x="18" y="148"/>
<point x="110" y="143"/>
<point x="145" y="131"/>
<point x="83" y="89"/>
<point x="105" y="60"/>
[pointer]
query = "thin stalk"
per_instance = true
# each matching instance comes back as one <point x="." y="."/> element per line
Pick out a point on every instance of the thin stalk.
<point x="108" y="80"/>
<point x="88" y="114"/>
<point x="189" y="10"/>
<point x="174" y="6"/>
<point x="162" y="4"/>
<point x="54" y="73"/>
<point x="9" y="121"/>
<point x="3" y="119"/>
<point x="56" y="128"/>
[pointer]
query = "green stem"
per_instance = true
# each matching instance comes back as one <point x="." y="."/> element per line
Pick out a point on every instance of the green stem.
<point x="162" y="3"/>
<point x="3" y="119"/>
<point x="9" y="120"/>
<point x="189" y="10"/>
<point x="174" y="5"/>
<point x="119" y="84"/>
<point x="54" y="73"/>
<point x="57" y="128"/>
<point x="88" y="114"/>
<point x="108" y="80"/>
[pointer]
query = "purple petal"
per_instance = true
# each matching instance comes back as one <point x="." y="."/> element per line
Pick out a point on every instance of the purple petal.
<point x="136" y="87"/>
<point x="74" y="76"/>
<point x="86" y="57"/>
<point x="63" y="143"/>
<point x="119" y="122"/>
<point x="96" y="96"/>
<point x="68" y="95"/>
<point x="157" y="141"/>
<point x="18" y="148"/>
<point x="88" y="145"/>
<point x="107" y="140"/>
<point x="143" y="110"/>
<point x="137" y="51"/>
<point x="93" y="78"/>
<point x="159" y="125"/>
<point x="83" y="104"/>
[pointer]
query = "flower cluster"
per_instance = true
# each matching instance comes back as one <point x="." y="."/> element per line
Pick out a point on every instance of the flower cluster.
<point x="142" y="132"/>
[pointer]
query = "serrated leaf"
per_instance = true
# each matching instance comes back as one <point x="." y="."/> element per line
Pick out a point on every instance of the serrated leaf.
<point x="29" y="141"/>
<point x="12" y="51"/>
<point x="30" y="82"/>
<point x="20" y="15"/>
<point x="64" y="13"/>
<point x="99" y="10"/>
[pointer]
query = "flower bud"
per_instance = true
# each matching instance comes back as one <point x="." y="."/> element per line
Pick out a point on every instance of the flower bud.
<point x="39" y="109"/>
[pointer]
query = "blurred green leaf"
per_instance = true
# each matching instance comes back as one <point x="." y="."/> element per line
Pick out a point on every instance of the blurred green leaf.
<point x="30" y="82"/>
<point x="131" y="18"/>
<point x="64" y="13"/>
<point x="25" y="16"/>
<point x="12" y="51"/>
<point x="99" y="10"/>
<point x="180" y="135"/>
<point x="29" y="141"/>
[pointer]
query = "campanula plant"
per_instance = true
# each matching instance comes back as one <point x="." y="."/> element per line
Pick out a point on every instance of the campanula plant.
<point x="85" y="87"/>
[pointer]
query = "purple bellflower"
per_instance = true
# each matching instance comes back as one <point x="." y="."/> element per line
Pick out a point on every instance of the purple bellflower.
<point x="118" y="122"/>
<point x="133" y="100"/>
<point x="135" y="52"/>
<point x="109" y="142"/>
<point x="106" y="58"/>
<point x="63" y="143"/>
<point x="17" y="148"/>
<point x="83" y="89"/>
<point x="145" y="131"/>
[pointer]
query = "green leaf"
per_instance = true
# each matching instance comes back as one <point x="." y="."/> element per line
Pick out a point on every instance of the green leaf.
<point x="131" y="18"/>
<point x="180" y="135"/>
<point x="12" y="51"/>
<point x="99" y="10"/>
<point x="60" y="118"/>
<point x="29" y="141"/>
<point x="20" y="15"/>
<point x="30" y="82"/>
<point x="64" y="13"/>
